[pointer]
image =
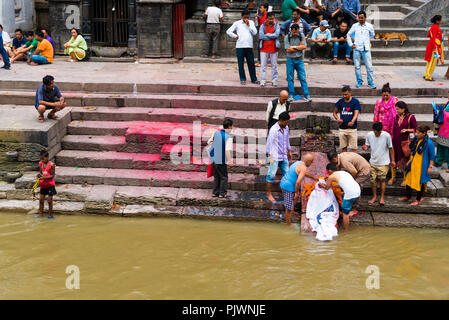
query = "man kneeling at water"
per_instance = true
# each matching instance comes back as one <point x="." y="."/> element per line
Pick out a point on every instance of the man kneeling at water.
<point x="291" y="184"/>
<point x="351" y="190"/>
<point x="48" y="97"/>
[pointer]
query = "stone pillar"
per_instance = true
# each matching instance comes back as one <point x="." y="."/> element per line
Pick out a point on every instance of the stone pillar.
<point x="85" y="23"/>
<point x="64" y="15"/>
<point x="132" y="37"/>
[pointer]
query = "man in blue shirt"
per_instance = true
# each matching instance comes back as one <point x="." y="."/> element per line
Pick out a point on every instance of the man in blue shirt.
<point x="18" y="41"/>
<point x="304" y="27"/>
<point x="362" y="32"/>
<point x="48" y="97"/>
<point x="350" y="10"/>
<point x="3" y="52"/>
<point x="346" y="113"/>
<point x="321" y="40"/>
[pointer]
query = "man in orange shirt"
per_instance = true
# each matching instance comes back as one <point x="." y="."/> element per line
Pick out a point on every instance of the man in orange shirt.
<point x="43" y="53"/>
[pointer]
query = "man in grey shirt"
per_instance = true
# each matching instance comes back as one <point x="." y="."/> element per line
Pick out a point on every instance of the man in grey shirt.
<point x="295" y="44"/>
<point x="333" y="12"/>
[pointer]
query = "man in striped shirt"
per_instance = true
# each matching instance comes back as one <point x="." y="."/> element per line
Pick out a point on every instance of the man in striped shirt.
<point x="278" y="150"/>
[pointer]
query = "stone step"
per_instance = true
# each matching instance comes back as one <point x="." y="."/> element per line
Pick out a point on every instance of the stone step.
<point x="212" y="104"/>
<point x="396" y="43"/>
<point x="89" y="94"/>
<point x="414" y="3"/>
<point x="140" y="161"/>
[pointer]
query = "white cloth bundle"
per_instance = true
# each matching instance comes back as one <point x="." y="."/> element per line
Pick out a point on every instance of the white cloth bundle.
<point x="322" y="212"/>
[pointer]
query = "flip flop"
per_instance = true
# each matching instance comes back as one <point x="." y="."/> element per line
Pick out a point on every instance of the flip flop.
<point x="41" y="119"/>
<point x="53" y="117"/>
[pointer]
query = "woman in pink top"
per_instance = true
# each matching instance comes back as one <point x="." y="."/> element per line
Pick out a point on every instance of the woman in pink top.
<point x="46" y="183"/>
<point x="385" y="109"/>
<point x="443" y="140"/>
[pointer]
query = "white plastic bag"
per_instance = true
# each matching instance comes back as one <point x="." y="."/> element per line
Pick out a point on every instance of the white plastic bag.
<point x="322" y="212"/>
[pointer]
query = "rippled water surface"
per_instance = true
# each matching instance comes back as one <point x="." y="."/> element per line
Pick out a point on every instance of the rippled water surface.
<point x="132" y="258"/>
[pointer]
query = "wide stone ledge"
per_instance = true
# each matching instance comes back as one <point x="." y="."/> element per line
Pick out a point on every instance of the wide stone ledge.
<point x="411" y="220"/>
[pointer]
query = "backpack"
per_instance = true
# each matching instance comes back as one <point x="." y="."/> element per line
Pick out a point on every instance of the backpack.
<point x="438" y="113"/>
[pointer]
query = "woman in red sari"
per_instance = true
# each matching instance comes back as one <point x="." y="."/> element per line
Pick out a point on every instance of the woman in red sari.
<point x="434" y="50"/>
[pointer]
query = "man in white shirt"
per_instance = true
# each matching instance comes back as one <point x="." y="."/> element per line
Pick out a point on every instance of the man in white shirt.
<point x="213" y="17"/>
<point x="362" y="32"/>
<point x="382" y="156"/>
<point x="243" y="31"/>
<point x="276" y="107"/>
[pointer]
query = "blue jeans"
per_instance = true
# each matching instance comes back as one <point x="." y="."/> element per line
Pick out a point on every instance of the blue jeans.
<point x="39" y="59"/>
<point x="366" y="55"/>
<point x="272" y="169"/>
<point x="3" y="52"/>
<point x="297" y="65"/>
<point x="342" y="46"/>
<point x="247" y="53"/>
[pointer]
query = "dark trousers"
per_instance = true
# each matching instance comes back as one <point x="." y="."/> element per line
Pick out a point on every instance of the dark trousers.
<point x="408" y="192"/>
<point x="3" y="52"/>
<point x="313" y="15"/>
<point x="220" y="179"/>
<point x="326" y="49"/>
<point x="349" y="17"/>
<point x="335" y="20"/>
<point x="247" y="53"/>
<point x="212" y="33"/>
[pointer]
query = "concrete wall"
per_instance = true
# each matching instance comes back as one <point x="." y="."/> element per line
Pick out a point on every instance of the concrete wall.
<point x="25" y="15"/>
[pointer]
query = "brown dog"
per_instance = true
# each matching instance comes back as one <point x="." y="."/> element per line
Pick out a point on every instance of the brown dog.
<point x="394" y="35"/>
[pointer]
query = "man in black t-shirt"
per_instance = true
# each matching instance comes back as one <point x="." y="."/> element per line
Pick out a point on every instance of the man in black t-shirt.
<point x="340" y="43"/>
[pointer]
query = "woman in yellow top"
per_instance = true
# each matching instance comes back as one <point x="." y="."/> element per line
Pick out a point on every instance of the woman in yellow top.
<point x="419" y="165"/>
<point x="76" y="47"/>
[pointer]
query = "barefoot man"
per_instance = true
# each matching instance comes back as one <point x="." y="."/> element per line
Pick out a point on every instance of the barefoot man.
<point x="350" y="188"/>
<point x="48" y="97"/>
<point x="291" y="184"/>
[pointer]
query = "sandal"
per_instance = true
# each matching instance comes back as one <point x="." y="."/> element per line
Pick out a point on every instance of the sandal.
<point x="223" y="196"/>
<point x="41" y="119"/>
<point x="215" y="195"/>
<point x="416" y="202"/>
<point x="52" y="117"/>
<point x="404" y="199"/>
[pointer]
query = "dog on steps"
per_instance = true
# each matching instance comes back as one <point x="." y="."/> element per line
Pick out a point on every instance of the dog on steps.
<point x="394" y="35"/>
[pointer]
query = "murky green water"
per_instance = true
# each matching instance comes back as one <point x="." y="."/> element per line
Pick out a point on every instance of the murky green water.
<point x="130" y="258"/>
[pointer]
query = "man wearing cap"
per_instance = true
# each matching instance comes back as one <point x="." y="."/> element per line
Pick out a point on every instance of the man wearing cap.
<point x="321" y="40"/>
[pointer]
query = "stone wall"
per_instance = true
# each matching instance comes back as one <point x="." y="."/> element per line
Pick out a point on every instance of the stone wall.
<point x="422" y="16"/>
<point x="64" y="15"/>
<point x="154" y="29"/>
<point x="17" y="14"/>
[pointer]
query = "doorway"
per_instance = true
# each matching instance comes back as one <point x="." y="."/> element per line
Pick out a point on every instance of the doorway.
<point x="110" y="20"/>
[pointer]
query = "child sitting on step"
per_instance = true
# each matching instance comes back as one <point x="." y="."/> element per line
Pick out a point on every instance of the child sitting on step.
<point x="220" y="155"/>
<point x="46" y="183"/>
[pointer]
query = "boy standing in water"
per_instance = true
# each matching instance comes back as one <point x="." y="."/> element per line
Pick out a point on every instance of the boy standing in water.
<point x="46" y="183"/>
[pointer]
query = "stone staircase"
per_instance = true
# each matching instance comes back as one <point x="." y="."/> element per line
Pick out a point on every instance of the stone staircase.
<point x="117" y="156"/>
<point x="386" y="16"/>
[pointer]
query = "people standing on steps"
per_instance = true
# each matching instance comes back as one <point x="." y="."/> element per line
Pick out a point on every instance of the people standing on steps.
<point x="381" y="159"/>
<point x="435" y="49"/>
<point x="269" y="45"/>
<point x="214" y="16"/>
<point x="243" y="31"/>
<point x="276" y="107"/>
<point x="362" y="32"/>
<point x="351" y="191"/>
<point x="419" y="167"/>
<point x="346" y="112"/>
<point x="259" y="20"/>
<point x="291" y="184"/>
<point x="352" y="163"/>
<point x="278" y="150"/>
<point x="220" y="152"/>
<point x="443" y="140"/>
<point x="295" y="44"/>
<point x="404" y="125"/>
<point x="385" y="109"/>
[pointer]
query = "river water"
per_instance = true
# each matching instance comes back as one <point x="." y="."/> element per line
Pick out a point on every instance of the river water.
<point x="159" y="258"/>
